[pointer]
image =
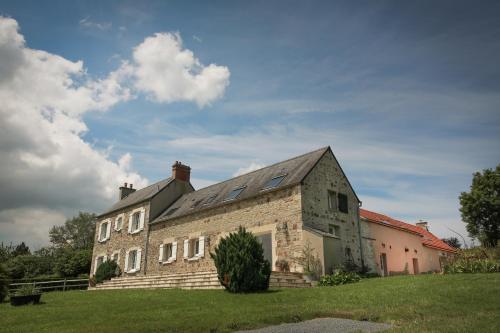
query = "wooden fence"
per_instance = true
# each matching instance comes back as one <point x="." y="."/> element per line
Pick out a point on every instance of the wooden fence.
<point x="61" y="285"/>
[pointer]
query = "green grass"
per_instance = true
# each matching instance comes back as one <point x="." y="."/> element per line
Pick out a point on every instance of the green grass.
<point x="425" y="303"/>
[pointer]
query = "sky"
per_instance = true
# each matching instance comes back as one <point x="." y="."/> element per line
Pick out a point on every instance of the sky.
<point x="97" y="93"/>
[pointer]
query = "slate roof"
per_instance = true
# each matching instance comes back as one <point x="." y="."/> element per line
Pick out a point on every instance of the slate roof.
<point x="143" y="194"/>
<point x="296" y="169"/>
<point x="428" y="239"/>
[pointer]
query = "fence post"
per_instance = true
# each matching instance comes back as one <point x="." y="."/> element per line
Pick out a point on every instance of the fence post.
<point x="34" y="284"/>
<point x="64" y="286"/>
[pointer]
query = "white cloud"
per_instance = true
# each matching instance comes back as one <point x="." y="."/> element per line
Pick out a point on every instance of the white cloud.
<point x="252" y="167"/>
<point x="167" y="72"/>
<point x="44" y="160"/>
<point x="47" y="170"/>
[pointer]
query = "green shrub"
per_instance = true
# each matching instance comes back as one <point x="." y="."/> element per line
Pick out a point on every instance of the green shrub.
<point x="338" y="278"/>
<point x="240" y="263"/>
<point x="4" y="282"/>
<point x="27" y="290"/>
<point x="106" y="271"/>
<point x="475" y="260"/>
<point x="472" y="266"/>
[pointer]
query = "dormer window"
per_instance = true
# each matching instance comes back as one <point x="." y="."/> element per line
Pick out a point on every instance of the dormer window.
<point x="274" y="182"/>
<point x="234" y="193"/>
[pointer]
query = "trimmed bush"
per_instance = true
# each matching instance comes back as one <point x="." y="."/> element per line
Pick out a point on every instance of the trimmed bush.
<point x="338" y="278"/>
<point x="4" y="283"/>
<point x="106" y="271"/>
<point x="240" y="263"/>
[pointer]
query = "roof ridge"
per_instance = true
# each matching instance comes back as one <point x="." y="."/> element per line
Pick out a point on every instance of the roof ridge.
<point x="266" y="167"/>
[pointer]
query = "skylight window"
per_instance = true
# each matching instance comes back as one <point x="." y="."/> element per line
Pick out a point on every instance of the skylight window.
<point x="274" y="182"/>
<point x="234" y="193"/>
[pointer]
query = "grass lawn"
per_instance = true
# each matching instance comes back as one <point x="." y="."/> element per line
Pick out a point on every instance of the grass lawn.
<point x="438" y="303"/>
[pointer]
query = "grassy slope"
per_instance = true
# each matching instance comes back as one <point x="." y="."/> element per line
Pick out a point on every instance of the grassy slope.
<point x="453" y="303"/>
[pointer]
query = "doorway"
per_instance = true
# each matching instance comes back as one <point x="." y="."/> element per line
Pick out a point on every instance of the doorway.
<point x="415" y="266"/>
<point x="383" y="264"/>
<point x="266" y="241"/>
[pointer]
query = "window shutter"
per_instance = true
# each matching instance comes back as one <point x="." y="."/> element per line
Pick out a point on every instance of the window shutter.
<point x="126" y="262"/>
<point x="138" y="261"/>
<point x="160" y="259"/>
<point x="130" y="223"/>
<point x="141" y="219"/>
<point x="108" y="230"/>
<point x="174" y="251"/>
<point x="201" y="251"/>
<point x="99" y="234"/>
<point x="186" y="249"/>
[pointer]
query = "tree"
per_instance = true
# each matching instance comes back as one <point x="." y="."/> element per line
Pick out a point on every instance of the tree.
<point x="70" y="262"/>
<point x="21" y="250"/>
<point x="480" y="208"/>
<point x="240" y="263"/>
<point x="77" y="232"/>
<point x="453" y="242"/>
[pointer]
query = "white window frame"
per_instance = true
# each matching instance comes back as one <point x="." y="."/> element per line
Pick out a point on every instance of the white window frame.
<point x="336" y="229"/>
<point x="108" y="231"/>
<point x="115" y="227"/>
<point x="137" y="267"/>
<point x="140" y="224"/>
<point x="173" y="256"/>
<point x="188" y="250"/>
<point x="104" y="259"/>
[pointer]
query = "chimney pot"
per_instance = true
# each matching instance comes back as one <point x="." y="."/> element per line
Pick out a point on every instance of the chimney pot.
<point x="423" y="224"/>
<point x="125" y="191"/>
<point x="181" y="172"/>
<point x="131" y="186"/>
<point x="124" y="184"/>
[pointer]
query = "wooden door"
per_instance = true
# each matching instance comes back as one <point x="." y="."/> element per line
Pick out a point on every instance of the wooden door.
<point x="383" y="264"/>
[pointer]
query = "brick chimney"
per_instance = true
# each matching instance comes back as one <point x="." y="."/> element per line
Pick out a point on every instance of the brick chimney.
<point x="125" y="191"/>
<point x="181" y="172"/>
<point x="423" y="225"/>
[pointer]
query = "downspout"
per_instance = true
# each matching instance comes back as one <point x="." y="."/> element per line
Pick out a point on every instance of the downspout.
<point x="360" y="238"/>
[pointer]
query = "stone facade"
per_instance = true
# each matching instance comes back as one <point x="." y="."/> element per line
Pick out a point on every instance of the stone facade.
<point x="325" y="178"/>
<point x="120" y="241"/>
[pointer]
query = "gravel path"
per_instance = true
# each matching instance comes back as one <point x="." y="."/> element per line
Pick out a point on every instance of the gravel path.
<point x="324" y="325"/>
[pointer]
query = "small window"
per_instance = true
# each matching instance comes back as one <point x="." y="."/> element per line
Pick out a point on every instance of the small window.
<point x="118" y="224"/>
<point x="332" y="200"/>
<point x="343" y="205"/>
<point x="274" y="182"/>
<point x="234" y="193"/>
<point x="104" y="231"/>
<point x="99" y="261"/>
<point x="132" y="260"/>
<point x="194" y="247"/>
<point x="115" y="256"/>
<point x="171" y="211"/>
<point x="167" y="251"/>
<point x="334" y="230"/>
<point x="135" y="221"/>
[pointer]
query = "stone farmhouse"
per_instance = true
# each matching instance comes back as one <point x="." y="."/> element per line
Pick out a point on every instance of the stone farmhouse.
<point x="169" y="228"/>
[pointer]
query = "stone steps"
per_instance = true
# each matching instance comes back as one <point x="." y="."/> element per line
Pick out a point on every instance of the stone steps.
<point x="196" y="280"/>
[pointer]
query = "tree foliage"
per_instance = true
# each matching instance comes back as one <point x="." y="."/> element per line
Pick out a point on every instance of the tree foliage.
<point x="453" y="242"/>
<point x="4" y="282"/>
<point x="78" y="232"/>
<point x="71" y="262"/>
<point x="480" y="208"/>
<point x="240" y="263"/>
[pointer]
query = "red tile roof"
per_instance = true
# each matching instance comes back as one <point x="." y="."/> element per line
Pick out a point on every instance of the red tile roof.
<point x="428" y="239"/>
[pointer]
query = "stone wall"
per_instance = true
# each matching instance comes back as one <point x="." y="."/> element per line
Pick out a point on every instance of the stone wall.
<point x="121" y="241"/>
<point x="327" y="175"/>
<point x="277" y="212"/>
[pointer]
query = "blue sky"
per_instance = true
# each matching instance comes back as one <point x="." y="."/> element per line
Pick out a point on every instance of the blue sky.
<point x="407" y="95"/>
